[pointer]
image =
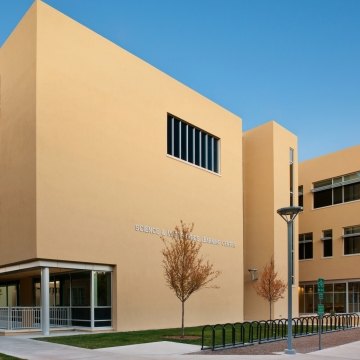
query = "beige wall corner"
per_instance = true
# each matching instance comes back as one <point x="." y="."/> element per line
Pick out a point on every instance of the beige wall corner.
<point x="17" y="142"/>
<point x="103" y="168"/>
<point x="266" y="189"/>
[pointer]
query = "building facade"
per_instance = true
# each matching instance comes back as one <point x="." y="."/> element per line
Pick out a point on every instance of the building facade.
<point x="329" y="235"/>
<point x="270" y="177"/>
<point x="100" y="155"/>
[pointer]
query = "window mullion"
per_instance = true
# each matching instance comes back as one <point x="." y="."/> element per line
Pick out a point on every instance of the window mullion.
<point x="172" y="136"/>
<point x="193" y="159"/>
<point x="213" y="153"/>
<point x="180" y="128"/>
<point x="200" y="149"/>
<point x="187" y="144"/>
<point x="206" y="151"/>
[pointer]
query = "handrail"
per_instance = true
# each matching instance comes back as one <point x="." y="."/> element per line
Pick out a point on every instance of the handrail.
<point x="29" y="317"/>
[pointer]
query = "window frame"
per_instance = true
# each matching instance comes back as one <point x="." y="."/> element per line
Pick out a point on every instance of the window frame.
<point x="291" y="175"/>
<point x="333" y="184"/>
<point x="326" y="238"/>
<point x="308" y="291"/>
<point x="201" y="143"/>
<point x="301" y="195"/>
<point x="305" y="241"/>
<point x="346" y="236"/>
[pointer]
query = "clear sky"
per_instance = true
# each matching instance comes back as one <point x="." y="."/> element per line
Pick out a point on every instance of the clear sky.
<point x="293" y="61"/>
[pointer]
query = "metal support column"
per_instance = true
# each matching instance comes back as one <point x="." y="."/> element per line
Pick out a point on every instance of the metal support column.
<point x="290" y="349"/>
<point x="45" y="303"/>
<point x="92" y="300"/>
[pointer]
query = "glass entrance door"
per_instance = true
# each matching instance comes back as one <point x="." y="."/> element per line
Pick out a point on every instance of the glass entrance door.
<point x="8" y="295"/>
<point x="3" y="296"/>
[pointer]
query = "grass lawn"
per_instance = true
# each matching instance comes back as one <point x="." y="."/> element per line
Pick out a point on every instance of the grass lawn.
<point x="192" y="336"/>
<point x="8" y="357"/>
<point x="96" y="341"/>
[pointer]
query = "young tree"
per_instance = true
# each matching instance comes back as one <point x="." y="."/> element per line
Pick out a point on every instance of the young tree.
<point x="269" y="286"/>
<point x="185" y="269"/>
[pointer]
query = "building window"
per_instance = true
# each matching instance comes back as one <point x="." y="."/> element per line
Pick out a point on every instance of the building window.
<point x="337" y="190"/>
<point x="305" y="246"/>
<point x="191" y="144"/>
<point x="327" y="243"/>
<point x="301" y="195"/>
<point x="307" y="299"/>
<point x="9" y="294"/>
<point x="354" y="297"/>
<point x="334" y="298"/>
<point x="339" y="298"/>
<point x="291" y="169"/>
<point x="352" y="240"/>
<point x="102" y="288"/>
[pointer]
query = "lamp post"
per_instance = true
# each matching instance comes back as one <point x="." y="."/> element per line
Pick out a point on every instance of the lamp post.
<point x="289" y="215"/>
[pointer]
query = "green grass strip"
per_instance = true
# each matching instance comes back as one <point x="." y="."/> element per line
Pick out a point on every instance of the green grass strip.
<point x="97" y="341"/>
<point x="8" y="357"/>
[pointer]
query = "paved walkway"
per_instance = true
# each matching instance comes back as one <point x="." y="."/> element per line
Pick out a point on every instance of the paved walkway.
<point x="27" y="348"/>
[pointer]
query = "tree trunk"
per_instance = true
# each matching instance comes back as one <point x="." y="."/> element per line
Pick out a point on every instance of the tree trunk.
<point x="270" y="309"/>
<point x="182" y="318"/>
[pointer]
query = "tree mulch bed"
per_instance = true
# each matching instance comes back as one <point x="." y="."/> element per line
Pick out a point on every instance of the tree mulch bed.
<point x="185" y="337"/>
<point x="302" y="345"/>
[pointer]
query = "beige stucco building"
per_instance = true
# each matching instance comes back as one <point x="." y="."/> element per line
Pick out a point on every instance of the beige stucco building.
<point x="329" y="235"/>
<point x="100" y="154"/>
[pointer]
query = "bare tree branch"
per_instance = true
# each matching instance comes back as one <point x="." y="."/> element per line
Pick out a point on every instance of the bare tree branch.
<point x="185" y="270"/>
<point x="269" y="286"/>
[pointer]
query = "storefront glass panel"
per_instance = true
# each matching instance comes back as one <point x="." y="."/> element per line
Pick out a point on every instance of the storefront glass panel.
<point x="9" y="294"/>
<point x="334" y="298"/>
<point x="354" y="297"/>
<point x="3" y="297"/>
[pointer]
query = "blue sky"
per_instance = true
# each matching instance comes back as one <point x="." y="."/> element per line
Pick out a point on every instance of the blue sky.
<point x="293" y="61"/>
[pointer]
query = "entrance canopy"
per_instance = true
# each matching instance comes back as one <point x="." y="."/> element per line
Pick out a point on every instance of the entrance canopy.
<point x="43" y="294"/>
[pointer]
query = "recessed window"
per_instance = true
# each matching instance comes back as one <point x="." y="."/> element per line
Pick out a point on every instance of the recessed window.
<point x="291" y="169"/>
<point x="301" y="195"/>
<point x="191" y="144"/>
<point x="337" y="190"/>
<point x="327" y="243"/>
<point x="305" y="246"/>
<point x="352" y="240"/>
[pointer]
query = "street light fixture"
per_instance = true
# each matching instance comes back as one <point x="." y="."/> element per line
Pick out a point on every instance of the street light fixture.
<point x="289" y="214"/>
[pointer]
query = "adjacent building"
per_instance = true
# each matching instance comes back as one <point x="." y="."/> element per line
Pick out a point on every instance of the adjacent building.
<point x="329" y="235"/>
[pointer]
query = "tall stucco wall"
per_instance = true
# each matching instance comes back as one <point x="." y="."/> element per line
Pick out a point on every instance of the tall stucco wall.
<point x="266" y="189"/>
<point x="283" y="141"/>
<point x="102" y="168"/>
<point x="258" y="217"/>
<point x="17" y="143"/>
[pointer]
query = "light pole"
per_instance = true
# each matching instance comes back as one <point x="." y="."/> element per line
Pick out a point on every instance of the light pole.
<point x="289" y="215"/>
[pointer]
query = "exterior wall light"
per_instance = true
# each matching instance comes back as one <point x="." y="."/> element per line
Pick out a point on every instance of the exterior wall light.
<point x="253" y="274"/>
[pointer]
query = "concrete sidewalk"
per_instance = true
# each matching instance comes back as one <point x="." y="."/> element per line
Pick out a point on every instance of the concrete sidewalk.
<point x="26" y="348"/>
